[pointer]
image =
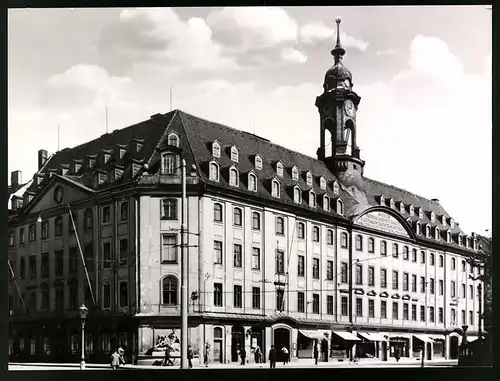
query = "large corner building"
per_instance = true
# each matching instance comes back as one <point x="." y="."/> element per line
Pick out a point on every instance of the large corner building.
<point x="283" y="249"/>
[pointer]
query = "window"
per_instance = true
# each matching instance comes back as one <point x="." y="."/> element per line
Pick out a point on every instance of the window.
<point x="255" y="258"/>
<point x="45" y="265"/>
<point x="315" y="303"/>
<point x="280" y="225"/>
<point x="418" y="228"/>
<point x="343" y="306"/>
<point x="237" y="255"/>
<point x="218" y="252"/>
<point x="32" y="233"/>
<point x="422" y="313"/>
<point x="44" y="291"/>
<point x="256" y="297"/>
<point x="173" y="140"/>
<point x="453" y="263"/>
<point x="295" y="173"/>
<point x="309" y="179"/>
<point x="359" y="307"/>
<point x="395" y="250"/>
<point x="383" y="309"/>
<point x="471" y="318"/>
<point x="329" y="270"/>
<point x="405" y="253"/>
<point x="252" y="182"/>
<point x="59" y="296"/>
<point x="214" y="172"/>
<point x="340" y="207"/>
<point x="406" y="281"/>
<point x="22" y="236"/>
<point x="422" y="256"/>
<point x="432" y="259"/>
<point x="463" y="317"/>
<point x="215" y="149"/>
<point x="414" y="312"/>
<point x="392" y="203"/>
<point x="237" y="217"/>
<point x="315" y="235"/>
<point x="123" y="253"/>
<point x="169" y="248"/>
<point x="326" y="203"/>
<point x="106" y="255"/>
<point x="359" y="243"/>
<point x="73" y="260"/>
<point x="437" y="233"/>
<point x="383" y="248"/>
<point x="329" y="304"/>
<point x="169" y="209"/>
<point x="371" y="308"/>
<point x="329" y="237"/>
<point x="395" y="280"/>
<point x="315" y="268"/>
<point x="463" y="291"/>
<point x="72" y="218"/>
<point x="59" y="263"/>
<point x="431" y="314"/>
<point x="414" y="255"/>
<point x="237" y="296"/>
<point x="428" y="231"/>
<point x="322" y="183"/>
<point x="280" y="299"/>
<point x="448" y="236"/>
<point x="413" y="283"/>
<point x="343" y="240"/>
<point x="218" y="295"/>
<point x="233" y="177"/>
<point x="452" y="289"/>
<point x="441" y="261"/>
<point x="312" y="199"/>
<point x="441" y="287"/>
<point x="343" y="272"/>
<point x="106" y="214"/>
<point x="275" y="189"/>
<point x="335" y="187"/>
<point x="460" y="240"/>
<point x="441" y="315"/>
<point x="463" y="266"/>
<point x="405" y="311"/>
<point x="422" y="284"/>
<point x="255" y="221"/>
<point x="124" y="211"/>
<point x="217" y="212"/>
<point x="301" y="230"/>
<point x="383" y="278"/>
<point x="168" y="164"/>
<point x="279" y="169"/>
<point x="401" y="207"/>
<point x="432" y="284"/>
<point x="300" y="265"/>
<point x="45" y="232"/>
<point x="11" y="237"/>
<point x="297" y="195"/>
<point x="371" y="245"/>
<point x="471" y="291"/>
<point x="123" y="294"/>
<point x="395" y="310"/>
<point x="371" y="276"/>
<point x="89" y="217"/>
<point x="359" y="274"/>
<point x="258" y="162"/>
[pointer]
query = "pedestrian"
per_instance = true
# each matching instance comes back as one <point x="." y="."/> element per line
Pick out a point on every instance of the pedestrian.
<point x="272" y="357"/>
<point x="168" y="358"/>
<point x="284" y="350"/>
<point x="257" y="355"/>
<point x="243" y="355"/>
<point x="316" y="352"/>
<point x="190" y="356"/>
<point x="397" y="354"/>
<point x="117" y="359"/>
<point x="206" y="354"/>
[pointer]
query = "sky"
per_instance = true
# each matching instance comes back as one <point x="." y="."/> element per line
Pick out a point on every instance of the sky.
<point x="425" y="84"/>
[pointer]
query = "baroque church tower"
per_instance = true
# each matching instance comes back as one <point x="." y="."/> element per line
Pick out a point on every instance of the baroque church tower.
<point x="337" y="108"/>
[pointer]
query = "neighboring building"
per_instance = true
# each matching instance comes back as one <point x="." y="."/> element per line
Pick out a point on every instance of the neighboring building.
<point x="283" y="248"/>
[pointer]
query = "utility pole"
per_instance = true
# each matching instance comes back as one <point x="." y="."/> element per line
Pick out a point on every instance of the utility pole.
<point x="480" y="290"/>
<point x="184" y="273"/>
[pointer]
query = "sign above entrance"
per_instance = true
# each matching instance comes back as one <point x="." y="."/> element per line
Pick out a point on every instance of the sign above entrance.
<point x="383" y="222"/>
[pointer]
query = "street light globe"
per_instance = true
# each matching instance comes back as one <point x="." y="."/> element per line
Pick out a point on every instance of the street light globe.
<point x="39" y="219"/>
<point x="83" y="311"/>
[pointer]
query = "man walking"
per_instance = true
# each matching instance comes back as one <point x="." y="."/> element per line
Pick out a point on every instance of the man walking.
<point x="284" y="350"/>
<point x="272" y="357"/>
<point x="190" y="357"/>
<point x="316" y="352"/>
<point x="207" y="353"/>
<point x="117" y="359"/>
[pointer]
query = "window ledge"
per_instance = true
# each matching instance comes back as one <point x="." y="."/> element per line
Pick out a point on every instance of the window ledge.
<point x="169" y="219"/>
<point x="170" y="262"/>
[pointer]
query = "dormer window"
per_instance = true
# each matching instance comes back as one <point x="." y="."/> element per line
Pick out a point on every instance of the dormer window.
<point x="233" y="177"/>
<point x="443" y="220"/>
<point x="312" y="199"/>
<point x="392" y="204"/>
<point x="169" y="163"/>
<point x="275" y="188"/>
<point x="216" y="149"/>
<point x="418" y="228"/>
<point x="428" y="231"/>
<point x="214" y="171"/>
<point x="452" y="223"/>
<point x="475" y="244"/>
<point x="121" y="153"/>
<point x="118" y="173"/>
<point x="234" y="154"/>
<point x="382" y="200"/>
<point x="76" y="167"/>
<point x="326" y="203"/>
<point x="437" y="233"/>
<point x="279" y="169"/>
<point x="91" y="163"/>
<point x="135" y="168"/>
<point x="106" y="156"/>
<point x="322" y="183"/>
<point x="412" y="210"/>
<point x="460" y="242"/>
<point x="173" y="140"/>
<point x="252" y="182"/>
<point x="39" y="180"/>
<point x="64" y="171"/>
<point x="467" y="240"/>
<point x="258" y="162"/>
<point x="138" y="146"/>
<point x="448" y="236"/>
<point x="335" y="187"/>
<point x="402" y="207"/>
<point x="309" y="178"/>
<point x="340" y="207"/>
<point x="295" y="173"/>
<point x="433" y="217"/>
<point x="420" y="213"/>
<point x="297" y="195"/>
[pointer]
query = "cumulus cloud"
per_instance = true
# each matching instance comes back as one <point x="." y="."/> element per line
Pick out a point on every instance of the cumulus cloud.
<point x="387" y="52"/>
<point x="318" y="31"/>
<point x="293" y="55"/>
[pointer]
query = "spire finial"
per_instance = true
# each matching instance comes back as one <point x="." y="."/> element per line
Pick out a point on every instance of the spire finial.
<point x="338" y="51"/>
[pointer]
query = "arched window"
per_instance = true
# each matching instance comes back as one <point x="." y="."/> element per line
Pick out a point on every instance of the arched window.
<point x="383" y="248"/>
<point x="217" y="333"/>
<point x="335" y="187"/>
<point x="45" y="229"/>
<point x="275" y="189"/>
<point x="433" y="216"/>
<point x="392" y="203"/>
<point x="44" y="292"/>
<point x="173" y="140"/>
<point x="418" y="228"/>
<point x="460" y="239"/>
<point x="169" y="291"/>
<point x="297" y="195"/>
<point x="412" y="210"/>
<point x="216" y="149"/>
<point x="256" y="221"/>
<point x="58" y="226"/>
<point x="395" y="250"/>
<point x="217" y="212"/>
<point x="169" y="163"/>
<point x="237" y="217"/>
<point x="258" y="162"/>
<point x="402" y="207"/>
<point x="279" y="169"/>
<point x="358" y="242"/>
<point x="169" y="209"/>
<point x="448" y="237"/>
<point x="31" y="233"/>
<point x="252" y="182"/>
<point x="295" y="173"/>
<point x="340" y="207"/>
<point x="88" y="217"/>
<point x="322" y="183"/>
<point x="309" y="179"/>
<point x="280" y="225"/>
<point x="315" y="236"/>
<point x="406" y="253"/>
<point x="371" y="245"/>
<point x="234" y="154"/>
<point x="343" y="240"/>
<point x="73" y="294"/>
<point x="382" y="200"/>
<point x="428" y="231"/>
<point x="214" y="172"/>
<point x="233" y="177"/>
<point x="329" y="237"/>
<point x="463" y="266"/>
<point x="437" y="233"/>
<point x="312" y="199"/>
<point x="301" y="230"/>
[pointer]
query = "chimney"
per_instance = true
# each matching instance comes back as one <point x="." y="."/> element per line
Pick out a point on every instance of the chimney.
<point x="42" y="158"/>
<point x="15" y="178"/>
<point x="435" y="200"/>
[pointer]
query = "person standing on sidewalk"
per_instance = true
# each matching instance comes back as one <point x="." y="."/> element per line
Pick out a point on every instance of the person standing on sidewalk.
<point x="190" y="356"/>
<point x="272" y="357"/>
<point x="316" y="352"/>
<point x="243" y="355"/>
<point x="117" y="359"/>
<point x="206" y="354"/>
<point x="397" y="354"/>
<point x="284" y="350"/>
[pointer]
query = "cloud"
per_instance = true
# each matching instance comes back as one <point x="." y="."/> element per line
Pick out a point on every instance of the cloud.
<point x="293" y="55"/>
<point x="159" y="34"/>
<point x="387" y="52"/>
<point x="318" y="31"/>
<point x="255" y="27"/>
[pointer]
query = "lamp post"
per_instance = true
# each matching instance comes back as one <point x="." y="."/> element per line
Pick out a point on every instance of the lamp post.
<point x="464" y="337"/>
<point x="83" y="312"/>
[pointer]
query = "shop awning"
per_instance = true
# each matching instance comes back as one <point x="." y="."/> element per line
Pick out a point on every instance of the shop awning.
<point x="422" y="337"/>
<point x="470" y="339"/>
<point x="365" y="335"/>
<point x="376" y="336"/>
<point x="348" y="336"/>
<point x="318" y="334"/>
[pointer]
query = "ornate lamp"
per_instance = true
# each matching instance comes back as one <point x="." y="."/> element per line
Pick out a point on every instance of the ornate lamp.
<point x="83" y="312"/>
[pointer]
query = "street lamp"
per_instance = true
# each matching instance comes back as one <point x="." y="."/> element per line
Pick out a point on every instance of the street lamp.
<point x="464" y="337"/>
<point x="83" y="312"/>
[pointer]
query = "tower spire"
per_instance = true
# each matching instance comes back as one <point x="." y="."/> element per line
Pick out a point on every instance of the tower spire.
<point x="338" y="51"/>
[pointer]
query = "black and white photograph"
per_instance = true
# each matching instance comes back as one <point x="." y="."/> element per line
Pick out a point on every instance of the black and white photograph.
<point x="249" y="188"/>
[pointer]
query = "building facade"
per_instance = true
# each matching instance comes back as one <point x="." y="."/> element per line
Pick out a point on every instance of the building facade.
<point x="283" y="249"/>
